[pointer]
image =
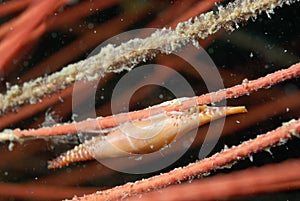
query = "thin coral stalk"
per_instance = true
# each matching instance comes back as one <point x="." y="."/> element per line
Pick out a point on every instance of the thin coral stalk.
<point x="41" y="192"/>
<point x="13" y="6"/>
<point x="220" y="160"/>
<point x="270" y="178"/>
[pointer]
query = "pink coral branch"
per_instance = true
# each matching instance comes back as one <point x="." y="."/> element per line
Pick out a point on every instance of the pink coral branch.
<point x="40" y="192"/>
<point x="13" y="6"/>
<point x="111" y="121"/>
<point x="283" y="176"/>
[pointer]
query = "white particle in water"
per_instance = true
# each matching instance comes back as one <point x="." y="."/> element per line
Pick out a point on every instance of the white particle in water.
<point x="90" y="26"/>
<point x="60" y="99"/>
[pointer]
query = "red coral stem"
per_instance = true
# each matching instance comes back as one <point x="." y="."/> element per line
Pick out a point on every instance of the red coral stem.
<point x="283" y="176"/>
<point x="112" y="121"/>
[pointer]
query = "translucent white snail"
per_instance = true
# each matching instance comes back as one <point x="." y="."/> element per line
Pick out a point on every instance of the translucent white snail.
<point x="143" y="136"/>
